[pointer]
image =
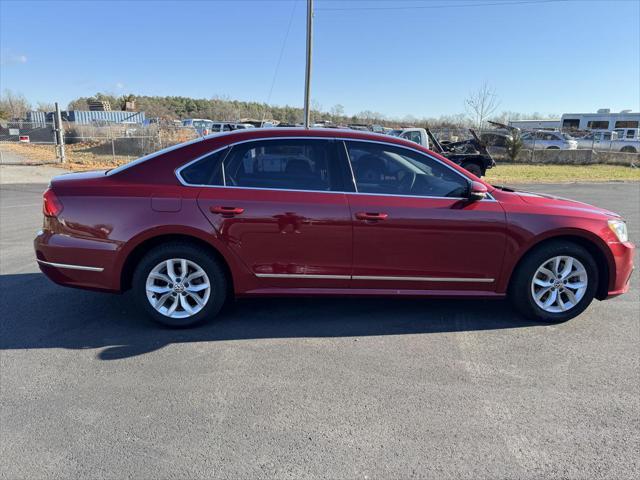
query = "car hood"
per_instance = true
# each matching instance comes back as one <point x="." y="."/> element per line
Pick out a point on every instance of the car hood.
<point x="552" y="201"/>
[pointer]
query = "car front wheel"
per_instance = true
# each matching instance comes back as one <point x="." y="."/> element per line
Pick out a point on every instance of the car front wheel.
<point x="179" y="285"/>
<point x="555" y="282"/>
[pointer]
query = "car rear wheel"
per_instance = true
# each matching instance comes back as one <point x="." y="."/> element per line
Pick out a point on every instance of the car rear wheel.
<point x="179" y="285"/>
<point x="553" y="148"/>
<point x="473" y="168"/>
<point x="628" y="149"/>
<point x="555" y="282"/>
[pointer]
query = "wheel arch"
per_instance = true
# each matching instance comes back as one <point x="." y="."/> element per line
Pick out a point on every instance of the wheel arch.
<point x="593" y="244"/>
<point x="135" y="253"/>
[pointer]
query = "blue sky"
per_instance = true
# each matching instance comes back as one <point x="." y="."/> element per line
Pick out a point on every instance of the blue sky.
<point x="546" y="56"/>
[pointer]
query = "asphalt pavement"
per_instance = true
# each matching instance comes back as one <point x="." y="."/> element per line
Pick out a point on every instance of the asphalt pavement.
<point x="311" y="388"/>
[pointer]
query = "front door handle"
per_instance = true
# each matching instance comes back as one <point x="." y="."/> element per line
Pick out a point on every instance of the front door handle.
<point x="227" y="211"/>
<point x="372" y="217"/>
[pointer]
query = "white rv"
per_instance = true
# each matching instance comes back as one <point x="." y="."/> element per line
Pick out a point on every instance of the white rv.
<point x="602" y="120"/>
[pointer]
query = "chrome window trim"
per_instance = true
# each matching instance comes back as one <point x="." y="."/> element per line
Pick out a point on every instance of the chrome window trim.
<point x="340" y="139"/>
<point x="71" y="267"/>
<point x="375" y="277"/>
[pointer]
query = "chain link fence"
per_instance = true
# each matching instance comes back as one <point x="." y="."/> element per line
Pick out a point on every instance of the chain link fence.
<point x="118" y="143"/>
<point x="106" y="145"/>
<point x="98" y="145"/>
<point x="37" y="139"/>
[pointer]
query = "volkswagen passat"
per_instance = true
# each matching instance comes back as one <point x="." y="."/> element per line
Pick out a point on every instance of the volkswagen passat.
<point x="270" y="212"/>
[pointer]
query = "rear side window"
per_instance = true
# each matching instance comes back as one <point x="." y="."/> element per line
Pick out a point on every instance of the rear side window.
<point x="207" y="171"/>
<point x="282" y="164"/>
<point x="385" y="169"/>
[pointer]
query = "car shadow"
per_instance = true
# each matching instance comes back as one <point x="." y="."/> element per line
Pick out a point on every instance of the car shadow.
<point x="40" y="314"/>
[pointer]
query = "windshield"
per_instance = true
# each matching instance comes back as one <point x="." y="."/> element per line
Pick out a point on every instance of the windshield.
<point x="395" y="133"/>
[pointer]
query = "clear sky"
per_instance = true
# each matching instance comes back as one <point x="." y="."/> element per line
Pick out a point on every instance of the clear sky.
<point x="395" y="57"/>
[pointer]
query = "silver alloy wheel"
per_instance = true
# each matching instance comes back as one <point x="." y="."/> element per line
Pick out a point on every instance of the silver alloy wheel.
<point x="178" y="288"/>
<point x="559" y="284"/>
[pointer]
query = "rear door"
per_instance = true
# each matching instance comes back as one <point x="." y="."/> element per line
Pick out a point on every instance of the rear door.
<point x="281" y="209"/>
<point x="414" y="228"/>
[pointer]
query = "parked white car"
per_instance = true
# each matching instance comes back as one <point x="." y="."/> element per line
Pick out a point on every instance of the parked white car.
<point x="548" y="140"/>
<point x="609" y="141"/>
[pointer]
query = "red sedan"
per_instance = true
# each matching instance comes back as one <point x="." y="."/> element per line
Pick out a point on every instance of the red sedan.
<point x="271" y="212"/>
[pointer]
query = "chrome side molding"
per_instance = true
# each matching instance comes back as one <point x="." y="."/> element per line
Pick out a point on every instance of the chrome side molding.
<point x="71" y="267"/>
<point x="375" y="277"/>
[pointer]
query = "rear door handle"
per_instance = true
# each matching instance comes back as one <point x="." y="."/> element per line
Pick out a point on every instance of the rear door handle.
<point x="227" y="211"/>
<point x="371" y="216"/>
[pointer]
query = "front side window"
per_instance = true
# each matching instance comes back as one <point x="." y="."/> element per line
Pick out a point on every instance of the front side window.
<point x="385" y="169"/>
<point x="281" y="164"/>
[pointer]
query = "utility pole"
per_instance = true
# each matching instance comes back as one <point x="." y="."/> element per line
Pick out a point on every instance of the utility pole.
<point x="307" y="76"/>
<point x="59" y="134"/>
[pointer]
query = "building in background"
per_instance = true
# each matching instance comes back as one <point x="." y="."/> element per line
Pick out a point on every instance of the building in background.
<point x="86" y="117"/>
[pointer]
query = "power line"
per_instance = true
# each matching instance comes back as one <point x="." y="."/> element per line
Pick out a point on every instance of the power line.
<point x="450" y="5"/>
<point x="275" y="73"/>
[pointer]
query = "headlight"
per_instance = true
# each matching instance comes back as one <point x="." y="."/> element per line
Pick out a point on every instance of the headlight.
<point x="619" y="227"/>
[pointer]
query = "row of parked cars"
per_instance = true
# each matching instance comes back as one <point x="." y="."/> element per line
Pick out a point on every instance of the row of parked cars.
<point x="625" y="140"/>
<point x="622" y="140"/>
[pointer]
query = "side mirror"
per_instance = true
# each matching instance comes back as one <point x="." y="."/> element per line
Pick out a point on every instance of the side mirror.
<point x="477" y="191"/>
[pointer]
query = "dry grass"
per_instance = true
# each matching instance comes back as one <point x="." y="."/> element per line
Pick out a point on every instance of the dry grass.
<point x="80" y="156"/>
<point x="505" y="173"/>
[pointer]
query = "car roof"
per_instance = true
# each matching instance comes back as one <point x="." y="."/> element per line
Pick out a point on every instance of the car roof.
<point x="345" y="133"/>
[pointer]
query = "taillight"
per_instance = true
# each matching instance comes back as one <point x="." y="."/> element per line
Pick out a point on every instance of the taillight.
<point x="51" y="206"/>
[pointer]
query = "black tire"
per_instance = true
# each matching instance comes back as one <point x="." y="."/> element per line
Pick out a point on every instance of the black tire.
<point x="473" y="168"/>
<point x="553" y="148"/>
<point x="628" y="149"/>
<point x="198" y="255"/>
<point x="520" y="292"/>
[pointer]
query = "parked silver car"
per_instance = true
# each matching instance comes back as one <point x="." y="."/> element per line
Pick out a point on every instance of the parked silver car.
<point x="548" y="140"/>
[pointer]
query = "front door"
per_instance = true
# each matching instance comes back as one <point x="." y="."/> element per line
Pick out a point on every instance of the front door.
<point x="281" y="211"/>
<point x="414" y="228"/>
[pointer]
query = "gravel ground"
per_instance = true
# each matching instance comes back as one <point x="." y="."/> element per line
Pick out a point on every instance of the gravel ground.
<point x="311" y="388"/>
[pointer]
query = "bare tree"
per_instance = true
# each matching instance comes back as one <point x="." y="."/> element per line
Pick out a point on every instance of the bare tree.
<point x="14" y="104"/>
<point x="481" y="104"/>
<point x="337" y="112"/>
<point x="45" y="107"/>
